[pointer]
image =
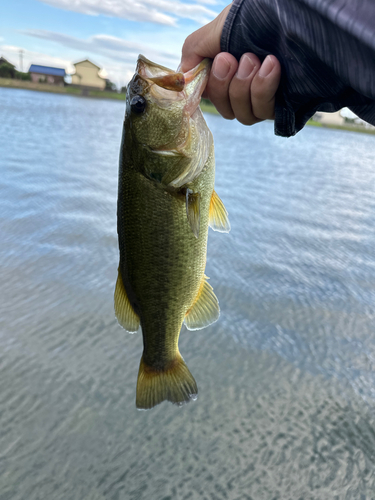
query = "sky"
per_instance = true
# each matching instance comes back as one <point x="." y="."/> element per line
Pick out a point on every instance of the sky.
<point x="111" y="33"/>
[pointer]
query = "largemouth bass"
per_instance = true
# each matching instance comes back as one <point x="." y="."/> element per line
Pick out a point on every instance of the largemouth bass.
<point x="166" y="201"/>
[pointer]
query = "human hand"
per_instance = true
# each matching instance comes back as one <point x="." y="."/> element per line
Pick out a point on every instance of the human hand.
<point x="245" y="90"/>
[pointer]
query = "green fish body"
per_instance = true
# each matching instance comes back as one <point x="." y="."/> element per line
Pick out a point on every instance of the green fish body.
<point x="166" y="202"/>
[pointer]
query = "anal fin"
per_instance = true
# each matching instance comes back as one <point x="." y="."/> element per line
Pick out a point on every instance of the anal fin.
<point x="125" y="314"/>
<point x="218" y="215"/>
<point x="205" y="309"/>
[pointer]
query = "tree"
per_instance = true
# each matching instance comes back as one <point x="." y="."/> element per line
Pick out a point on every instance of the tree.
<point x="22" y="76"/>
<point x="110" y="86"/>
<point x="7" y="70"/>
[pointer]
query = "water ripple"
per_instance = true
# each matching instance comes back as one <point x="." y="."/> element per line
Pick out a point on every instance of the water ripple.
<point x="286" y="377"/>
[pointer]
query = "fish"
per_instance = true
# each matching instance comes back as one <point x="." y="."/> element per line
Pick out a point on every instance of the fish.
<point x="166" y="202"/>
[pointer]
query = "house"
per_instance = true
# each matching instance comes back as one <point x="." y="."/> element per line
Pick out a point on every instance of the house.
<point x="86" y="76"/>
<point x="47" y="74"/>
<point x="329" y="118"/>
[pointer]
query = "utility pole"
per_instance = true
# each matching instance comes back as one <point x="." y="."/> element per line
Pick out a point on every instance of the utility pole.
<point x="21" y="59"/>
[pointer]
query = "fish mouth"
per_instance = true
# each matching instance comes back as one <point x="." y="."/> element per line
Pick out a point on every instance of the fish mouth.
<point x="195" y="82"/>
<point x="193" y="142"/>
<point x="191" y="84"/>
<point x="200" y="71"/>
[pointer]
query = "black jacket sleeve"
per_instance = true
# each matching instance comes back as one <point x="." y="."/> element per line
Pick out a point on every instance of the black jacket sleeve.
<point x="326" y="49"/>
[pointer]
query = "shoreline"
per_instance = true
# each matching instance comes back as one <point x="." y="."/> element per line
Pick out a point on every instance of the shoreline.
<point x="348" y="128"/>
<point x="102" y="94"/>
<point x="54" y="89"/>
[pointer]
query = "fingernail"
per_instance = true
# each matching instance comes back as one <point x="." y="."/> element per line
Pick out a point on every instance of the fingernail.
<point x="266" y="67"/>
<point x="221" y="68"/>
<point x="245" y="67"/>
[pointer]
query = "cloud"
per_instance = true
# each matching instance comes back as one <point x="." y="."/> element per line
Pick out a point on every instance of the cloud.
<point x="164" y="12"/>
<point x="108" y="46"/>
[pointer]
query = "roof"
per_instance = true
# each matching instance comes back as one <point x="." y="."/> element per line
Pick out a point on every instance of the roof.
<point x="46" y="70"/>
<point x="87" y="60"/>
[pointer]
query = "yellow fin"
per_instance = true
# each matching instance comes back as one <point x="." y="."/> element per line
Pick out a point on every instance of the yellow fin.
<point x="205" y="309"/>
<point x="125" y="315"/>
<point x="218" y="215"/>
<point x="175" y="383"/>
<point x="193" y="210"/>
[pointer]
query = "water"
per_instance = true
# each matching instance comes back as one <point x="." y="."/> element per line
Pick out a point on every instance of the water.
<point x="286" y="377"/>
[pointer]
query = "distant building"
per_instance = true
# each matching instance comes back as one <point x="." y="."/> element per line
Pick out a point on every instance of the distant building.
<point x="341" y="119"/>
<point x="362" y="123"/>
<point x="46" y="74"/>
<point x="329" y="118"/>
<point x="87" y="76"/>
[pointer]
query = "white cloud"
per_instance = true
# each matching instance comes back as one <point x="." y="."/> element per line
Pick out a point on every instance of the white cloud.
<point x="116" y="56"/>
<point x="155" y="11"/>
<point x="108" y="46"/>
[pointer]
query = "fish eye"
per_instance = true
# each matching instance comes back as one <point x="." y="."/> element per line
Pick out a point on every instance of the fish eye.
<point x="138" y="104"/>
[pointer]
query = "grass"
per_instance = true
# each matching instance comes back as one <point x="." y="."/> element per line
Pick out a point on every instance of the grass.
<point x="207" y="107"/>
<point x="349" y="128"/>
<point x="45" y="87"/>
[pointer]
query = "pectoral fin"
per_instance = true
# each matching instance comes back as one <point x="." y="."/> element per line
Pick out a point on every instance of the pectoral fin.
<point x="125" y="314"/>
<point x="193" y="210"/>
<point x="205" y="309"/>
<point x="218" y="215"/>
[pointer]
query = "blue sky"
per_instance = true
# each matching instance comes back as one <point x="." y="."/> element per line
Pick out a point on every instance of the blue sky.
<point x="111" y="33"/>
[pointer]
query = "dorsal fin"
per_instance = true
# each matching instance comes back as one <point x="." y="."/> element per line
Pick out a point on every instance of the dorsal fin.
<point x="218" y="215"/>
<point x="205" y="309"/>
<point x="125" y="314"/>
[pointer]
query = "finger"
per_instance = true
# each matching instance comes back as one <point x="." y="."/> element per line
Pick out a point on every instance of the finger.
<point x="192" y="50"/>
<point x="223" y="68"/>
<point x="264" y="87"/>
<point x="204" y="42"/>
<point x="239" y="89"/>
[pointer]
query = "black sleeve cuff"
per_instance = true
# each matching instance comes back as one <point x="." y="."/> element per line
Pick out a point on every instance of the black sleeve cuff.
<point x="326" y="64"/>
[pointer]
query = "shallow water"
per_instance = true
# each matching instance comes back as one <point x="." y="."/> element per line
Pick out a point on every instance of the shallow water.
<point x="286" y="376"/>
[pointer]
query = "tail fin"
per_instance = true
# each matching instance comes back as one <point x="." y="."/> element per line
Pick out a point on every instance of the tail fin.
<point x="175" y="384"/>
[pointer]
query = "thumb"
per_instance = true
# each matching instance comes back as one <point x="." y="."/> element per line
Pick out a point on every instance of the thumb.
<point x="204" y="42"/>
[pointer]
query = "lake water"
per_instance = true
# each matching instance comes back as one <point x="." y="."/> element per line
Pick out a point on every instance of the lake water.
<point x="286" y="406"/>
